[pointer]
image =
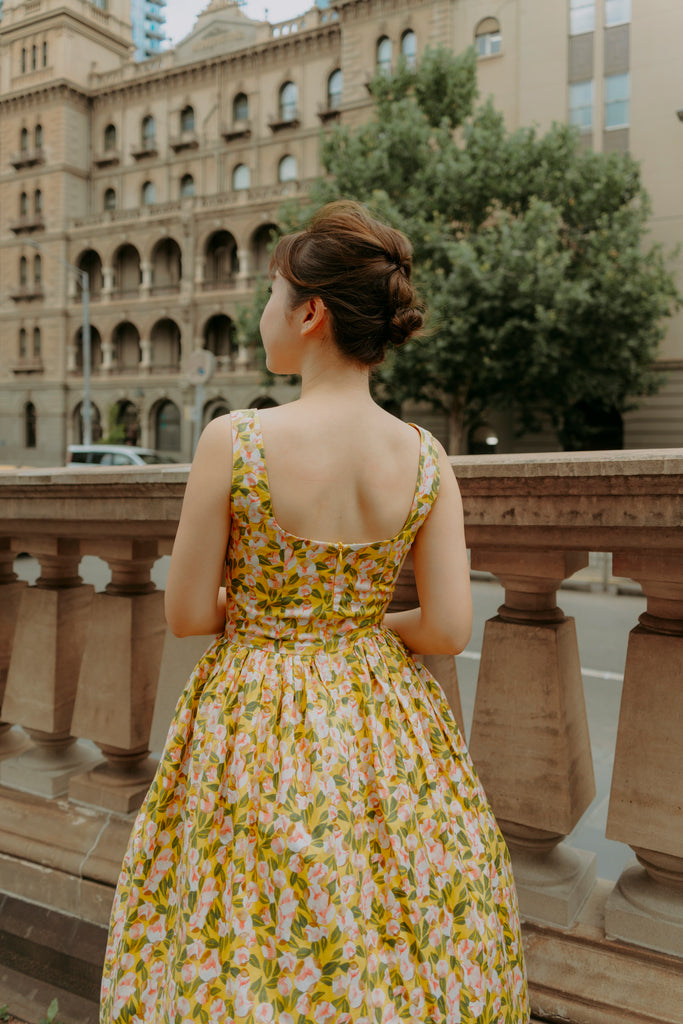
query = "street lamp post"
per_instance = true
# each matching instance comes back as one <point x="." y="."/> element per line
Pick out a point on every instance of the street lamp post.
<point x="84" y="278"/>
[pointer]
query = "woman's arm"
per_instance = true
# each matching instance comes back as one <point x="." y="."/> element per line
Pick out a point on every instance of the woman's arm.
<point x="443" y="622"/>
<point x="195" y="597"/>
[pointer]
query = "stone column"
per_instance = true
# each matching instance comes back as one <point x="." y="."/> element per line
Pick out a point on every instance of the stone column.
<point x="71" y="358"/>
<point x="244" y="272"/>
<point x="49" y="639"/>
<point x="107" y="357"/>
<point x="199" y="271"/>
<point x="146" y="282"/>
<point x="118" y="678"/>
<point x="530" y="740"/>
<point x="11" y="589"/>
<point x="646" y="800"/>
<point x="145" y="355"/>
<point x="242" y="359"/>
<point x="107" y="283"/>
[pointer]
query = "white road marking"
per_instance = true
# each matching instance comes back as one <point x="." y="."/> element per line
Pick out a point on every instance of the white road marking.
<point x="593" y="673"/>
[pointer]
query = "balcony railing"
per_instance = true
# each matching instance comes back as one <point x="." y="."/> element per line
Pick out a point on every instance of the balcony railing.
<point x="102" y="667"/>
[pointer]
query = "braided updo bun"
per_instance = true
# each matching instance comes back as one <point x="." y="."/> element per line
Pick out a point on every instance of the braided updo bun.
<point x="361" y="269"/>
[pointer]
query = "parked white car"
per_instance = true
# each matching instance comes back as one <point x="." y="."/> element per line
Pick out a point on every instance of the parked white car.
<point x="114" y="455"/>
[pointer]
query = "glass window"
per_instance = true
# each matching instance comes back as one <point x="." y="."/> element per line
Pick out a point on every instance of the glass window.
<point x="617" y="12"/>
<point x="34" y="57"/>
<point x="241" y="178"/>
<point x="23" y="59"/>
<point x="240" y="107"/>
<point x="44" y="55"/>
<point x="488" y="43"/>
<point x="38" y="201"/>
<point x="384" y="55"/>
<point x="110" y="199"/>
<point x="581" y="16"/>
<point x="409" y="48"/>
<point x="167" y="427"/>
<point x="23" y="270"/>
<point x="334" y="89"/>
<point x="186" y="186"/>
<point x="23" y="204"/>
<point x="38" y="135"/>
<point x="36" y="342"/>
<point x="22" y="343"/>
<point x="617" y="101"/>
<point x="288" y="102"/>
<point x="37" y="269"/>
<point x="24" y="139"/>
<point x="110" y="137"/>
<point x="148" y="193"/>
<point x="187" y="119"/>
<point x="287" y="169"/>
<point x="581" y="104"/>
<point x="148" y="131"/>
<point x="30" y="419"/>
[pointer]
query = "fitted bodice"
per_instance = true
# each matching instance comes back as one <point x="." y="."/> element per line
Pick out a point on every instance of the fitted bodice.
<point x="296" y="593"/>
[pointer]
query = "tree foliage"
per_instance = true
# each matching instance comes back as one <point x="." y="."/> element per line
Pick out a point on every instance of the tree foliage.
<point x="545" y="295"/>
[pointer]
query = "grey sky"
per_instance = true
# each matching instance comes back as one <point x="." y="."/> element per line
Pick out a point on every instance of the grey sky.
<point x="181" y="14"/>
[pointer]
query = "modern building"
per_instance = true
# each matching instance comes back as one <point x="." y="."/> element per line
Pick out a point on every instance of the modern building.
<point x="163" y="180"/>
<point x="148" y="18"/>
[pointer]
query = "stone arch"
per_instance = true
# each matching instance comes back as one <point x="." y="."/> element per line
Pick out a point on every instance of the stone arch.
<point x="124" y="421"/>
<point x="218" y="338"/>
<point x="166" y="422"/>
<point x="127" y="269"/>
<point x="167" y="265"/>
<point x="221" y="258"/>
<point x="77" y="423"/>
<point x="91" y="262"/>
<point x="126" y="344"/>
<point x="95" y="350"/>
<point x="260" y="247"/>
<point x="165" y="339"/>
<point x="263" y="402"/>
<point x="217" y="406"/>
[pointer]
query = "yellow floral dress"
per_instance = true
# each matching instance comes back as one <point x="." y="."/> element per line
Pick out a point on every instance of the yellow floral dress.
<point x="316" y="847"/>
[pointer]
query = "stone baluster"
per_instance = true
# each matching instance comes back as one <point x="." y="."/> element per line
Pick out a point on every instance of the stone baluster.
<point x="11" y="589"/>
<point x="145" y="355"/>
<point x="244" y="272"/>
<point x="442" y="666"/>
<point x="49" y="639"/>
<point x="119" y="675"/>
<point x="199" y="271"/>
<point x="146" y="278"/>
<point x="529" y="739"/>
<point x="107" y="283"/>
<point x="646" y="800"/>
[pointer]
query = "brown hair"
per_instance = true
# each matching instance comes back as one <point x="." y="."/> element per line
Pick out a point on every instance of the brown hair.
<point x="360" y="268"/>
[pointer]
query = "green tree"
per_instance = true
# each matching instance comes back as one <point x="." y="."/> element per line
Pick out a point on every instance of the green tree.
<point x="545" y="295"/>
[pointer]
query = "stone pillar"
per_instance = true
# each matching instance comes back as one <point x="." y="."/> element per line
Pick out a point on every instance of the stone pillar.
<point x="530" y="740"/>
<point x="11" y="589"/>
<point x="145" y="355"/>
<point x="242" y="359"/>
<point x="146" y="282"/>
<point x="442" y="666"/>
<point x="107" y="282"/>
<point x="118" y="678"/>
<point x="49" y="639"/>
<point x="107" y="357"/>
<point x="244" y="272"/>
<point x="71" y="358"/>
<point x="646" y="800"/>
<point x="199" y="271"/>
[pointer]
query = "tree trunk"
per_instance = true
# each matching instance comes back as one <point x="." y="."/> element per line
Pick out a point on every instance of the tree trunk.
<point x="457" y="438"/>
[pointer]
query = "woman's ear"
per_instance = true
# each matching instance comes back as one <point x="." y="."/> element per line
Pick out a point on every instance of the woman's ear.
<point x="315" y="315"/>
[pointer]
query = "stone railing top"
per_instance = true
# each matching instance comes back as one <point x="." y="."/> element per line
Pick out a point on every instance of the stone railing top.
<point x="580" y="500"/>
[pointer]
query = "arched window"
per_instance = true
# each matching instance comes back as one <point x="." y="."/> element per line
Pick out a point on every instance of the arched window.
<point x="30" y="423"/>
<point x="287" y="169"/>
<point x="23" y="270"/>
<point x="186" y="186"/>
<point x="187" y="119"/>
<point x="38" y="135"/>
<point x="23" y="59"/>
<point x="167" y="427"/>
<point x="241" y="178"/>
<point x="110" y="199"/>
<point x="23" y="140"/>
<point x="37" y="269"/>
<point x="240" y="107"/>
<point x="149" y="131"/>
<point x="487" y="37"/>
<point x="38" y="201"/>
<point x="110" y="137"/>
<point x="409" y="48"/>
<point x="34" y="57"/>
<point x="148" y="193"/>
<point x="334" y="89"/>
<point x="289" y="96"/>
<point x="384" y="55"/>
<point x="44" y="54"/>
<point x="23" y="204"/>
<point x="36" y="342"/>
<point x="22" y="343"/>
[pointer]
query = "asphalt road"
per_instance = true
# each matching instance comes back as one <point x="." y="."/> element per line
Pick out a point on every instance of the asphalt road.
<point x="603" y="621"/>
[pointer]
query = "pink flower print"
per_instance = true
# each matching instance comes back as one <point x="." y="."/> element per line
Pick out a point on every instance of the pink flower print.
<point x="241" y="956"/>
<point x="156" y="930"/>
<point x="287" y="962"/>
<point x="309" y="974"/>
<point x="303" y="1005"/>
<point x="286" y="911"/>
<point x="243" y="999"/>
<point x="188" y="971"/>
<point x="422" y="873"/>
<point x="356" y="988"/>
<point x="340" y="982"/>
<point x="285" y="985"/>
<point x="323" y="1013"/>
<point x="263" y="1013"/>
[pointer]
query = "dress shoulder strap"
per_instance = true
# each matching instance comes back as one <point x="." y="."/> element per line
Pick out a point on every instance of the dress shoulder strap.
<point x="249" y="480"/>
<point x="428" y="478"/>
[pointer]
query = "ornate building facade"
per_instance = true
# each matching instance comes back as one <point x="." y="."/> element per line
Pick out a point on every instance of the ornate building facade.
<point x="163" y="180"/>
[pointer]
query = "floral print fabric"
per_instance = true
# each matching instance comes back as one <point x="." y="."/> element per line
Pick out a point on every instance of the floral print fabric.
<point x="316" y="847"/>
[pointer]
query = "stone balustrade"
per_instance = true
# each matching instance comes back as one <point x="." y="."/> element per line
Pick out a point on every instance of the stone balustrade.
<point x="86" y="678"/>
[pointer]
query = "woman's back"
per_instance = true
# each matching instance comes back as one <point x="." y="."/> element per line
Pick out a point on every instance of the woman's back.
<point x="339" y="471"/>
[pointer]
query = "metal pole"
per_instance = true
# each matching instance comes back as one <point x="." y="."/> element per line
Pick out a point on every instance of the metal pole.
<point x="87" y="406"/>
